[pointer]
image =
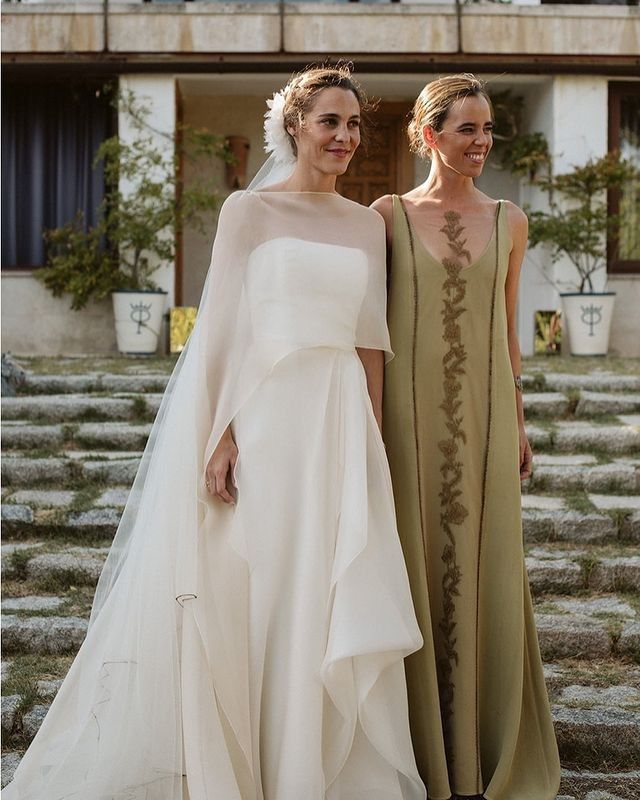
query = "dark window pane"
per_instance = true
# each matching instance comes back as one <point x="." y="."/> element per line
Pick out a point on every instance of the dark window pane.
<point x="49" y="138"/>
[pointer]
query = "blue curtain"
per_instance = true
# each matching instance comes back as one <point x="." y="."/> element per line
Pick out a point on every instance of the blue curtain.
<point x="49" y="138"/>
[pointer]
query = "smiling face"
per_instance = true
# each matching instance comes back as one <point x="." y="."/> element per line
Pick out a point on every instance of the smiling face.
<point x="330" y="132"/>
<point x="466" y="137"/>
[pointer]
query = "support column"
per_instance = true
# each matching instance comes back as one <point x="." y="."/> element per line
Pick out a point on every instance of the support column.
<point x="158" y="94"/>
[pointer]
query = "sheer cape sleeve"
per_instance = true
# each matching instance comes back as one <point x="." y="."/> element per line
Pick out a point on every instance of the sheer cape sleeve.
<point x="126" y="689"/>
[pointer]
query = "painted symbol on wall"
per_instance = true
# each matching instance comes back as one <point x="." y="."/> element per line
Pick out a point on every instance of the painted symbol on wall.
<point x="140" y="314"/>
<point x="591" y="316"/>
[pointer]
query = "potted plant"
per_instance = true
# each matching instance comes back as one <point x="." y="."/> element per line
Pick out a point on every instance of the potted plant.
<point x="577" y="226"/>
<point x="145" y="207"/>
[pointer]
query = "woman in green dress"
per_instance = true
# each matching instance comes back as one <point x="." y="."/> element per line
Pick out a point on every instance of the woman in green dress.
<point x="455" y="437"/>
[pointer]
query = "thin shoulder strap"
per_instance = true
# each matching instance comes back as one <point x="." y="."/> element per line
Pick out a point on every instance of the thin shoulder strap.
<point x="397" y="199"/>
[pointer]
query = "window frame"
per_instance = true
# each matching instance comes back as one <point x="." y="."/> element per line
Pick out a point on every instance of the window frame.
<point x="618" y="90"/>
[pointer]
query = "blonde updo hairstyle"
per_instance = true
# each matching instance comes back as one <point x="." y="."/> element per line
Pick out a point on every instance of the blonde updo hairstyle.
<point x="434" y="103"/>
<point x="303" y="89"/>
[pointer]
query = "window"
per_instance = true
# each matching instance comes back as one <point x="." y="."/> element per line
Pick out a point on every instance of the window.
<point x="50" y="134"/>
<point x="624" y="135"/>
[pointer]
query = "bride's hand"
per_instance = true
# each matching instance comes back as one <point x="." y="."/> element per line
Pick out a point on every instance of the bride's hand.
<point x="219" y="472"/>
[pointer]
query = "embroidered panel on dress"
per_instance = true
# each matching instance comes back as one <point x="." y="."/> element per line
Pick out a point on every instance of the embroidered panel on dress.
<point x="452" y="510"/>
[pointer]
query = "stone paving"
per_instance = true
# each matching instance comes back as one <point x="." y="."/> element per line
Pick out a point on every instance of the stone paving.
<point x="72" y="444"/>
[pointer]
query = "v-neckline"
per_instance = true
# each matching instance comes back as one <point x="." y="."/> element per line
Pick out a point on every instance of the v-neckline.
<point x="437" y="261"/>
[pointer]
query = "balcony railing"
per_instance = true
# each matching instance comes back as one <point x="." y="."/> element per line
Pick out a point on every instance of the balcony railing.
<point x="361" y="2"/>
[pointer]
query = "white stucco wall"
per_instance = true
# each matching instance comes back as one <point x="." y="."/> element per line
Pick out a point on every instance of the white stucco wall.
<point x="625" y="326"/>
<point x="158" y="94"/>
<point x="36" y="323"/>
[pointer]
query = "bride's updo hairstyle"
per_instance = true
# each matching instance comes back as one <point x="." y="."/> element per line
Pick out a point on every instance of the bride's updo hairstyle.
<point x="435" y="101"/>
<point x="303" y="89"/>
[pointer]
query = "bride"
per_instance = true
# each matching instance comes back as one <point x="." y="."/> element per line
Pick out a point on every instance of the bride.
<point x="249" y="628"/>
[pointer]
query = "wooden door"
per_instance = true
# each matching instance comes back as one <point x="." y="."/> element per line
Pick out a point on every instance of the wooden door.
<point x="386" y="165"/>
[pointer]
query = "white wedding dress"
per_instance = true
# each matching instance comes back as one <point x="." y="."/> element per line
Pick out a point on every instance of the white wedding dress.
<point x="278" y="674"/>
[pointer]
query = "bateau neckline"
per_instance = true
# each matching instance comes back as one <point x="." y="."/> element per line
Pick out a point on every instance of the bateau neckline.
<point x="290" y="191"/>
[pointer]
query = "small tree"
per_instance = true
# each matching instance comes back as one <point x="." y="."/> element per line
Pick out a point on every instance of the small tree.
<point x="522" y="154"/>
<point x="578" y="222"/>
<point x="138" y="224"/>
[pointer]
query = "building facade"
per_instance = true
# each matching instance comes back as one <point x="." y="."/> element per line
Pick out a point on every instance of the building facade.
<point x="212" y="64"/>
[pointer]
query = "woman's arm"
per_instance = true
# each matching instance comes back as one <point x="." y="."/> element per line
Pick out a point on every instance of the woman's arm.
<point x="519" y="228"/>
<point x="219" y="472"/>
<point x="373" y="363"/>
<point x="384" y="206"/>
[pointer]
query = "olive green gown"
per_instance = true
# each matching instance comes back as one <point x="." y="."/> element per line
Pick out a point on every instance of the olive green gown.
<point x="479" y="710"/>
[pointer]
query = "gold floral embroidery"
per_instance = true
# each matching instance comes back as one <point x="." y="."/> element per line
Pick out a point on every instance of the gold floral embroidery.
<point x="453" y="512"/>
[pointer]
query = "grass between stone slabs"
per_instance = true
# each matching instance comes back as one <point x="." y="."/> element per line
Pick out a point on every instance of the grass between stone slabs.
<point x="580" y="365"/>
<point x="67" y="536"/>
<point x="84" y="499"/>
<point x="56" y="582"/>
<point x="22" y="679"/>
<point x="62" y="581"/>
<point x="140" y="411"/>
<point x="28" y="669"/>
<point x="573" y="397"/>
<point x="17" y="564"/>
<point x="579" y="501"/>
<point x="549" y="551"/>
<point x="580" y="784"/>
<point x="602" y="673"/>
<point x="536" y="382"/>
<point x="79" y="365"/>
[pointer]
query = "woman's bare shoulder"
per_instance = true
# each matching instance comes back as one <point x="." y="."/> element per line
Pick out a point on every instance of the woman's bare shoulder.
<point x="384" y="206"/>
<point x="518" y="220"/>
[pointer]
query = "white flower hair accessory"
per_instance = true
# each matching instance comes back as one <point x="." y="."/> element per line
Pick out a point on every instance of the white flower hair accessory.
<point x="276" y="138"/>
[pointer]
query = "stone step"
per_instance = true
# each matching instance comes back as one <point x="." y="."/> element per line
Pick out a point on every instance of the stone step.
<point x="81" y="407"/>
<point x="602" y="382"/>
<point x="568" y="628"/>
<point x="544" y="519"/>
<point x="589" y="404"/>
<point x="93" y="382"/>
<point x="610" y="785"/>
<point x="71" y="566"/>
<point x="551" y="570"/>
<point x="156" y="382"/>
<point x="42" y="635"/>
<point x="109" y="435"/>
<point x="117" y="469"/>
<point x="545" y="404"/>
<point x="578" y="437"/>
<point x="570" y="473"/>
<point x="598" y="736"/>
<point x="595" y="627"/>
<point x="24" y="521"/>
<point x="590" y="785"/>
<point x="553" y="522"/>
<point x="590" y="736"/>
<point x="563" y="437"/>
<point x="608" y="502"/>
<point x="593" y="404"/>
